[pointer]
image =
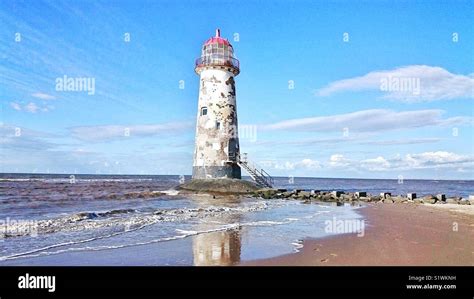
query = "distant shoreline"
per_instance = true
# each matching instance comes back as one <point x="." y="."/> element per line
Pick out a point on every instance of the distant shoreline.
<point x="243" y="177"/>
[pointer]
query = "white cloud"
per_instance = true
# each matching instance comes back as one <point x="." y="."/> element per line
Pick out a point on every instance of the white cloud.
<point x="15" y="106"/>
<point x="379" y="163"/>
<point x="425" y="160"/>
<point x="435" y="159"/>
<point x="309" y="164"/>
<point x="306" y="163"/>
<point x="412" y="83"/>
<point x="338" y="160"/>
<point x="43" y="96"/>
<point x="31" y="107"/>
<point x="286" y="165"/>
<point x="354" y="138"/>
<point x="406" y="141"/>
<point x="370" y="121"/>
<point x="23" y="139"/>
<point x="108" y="132"/>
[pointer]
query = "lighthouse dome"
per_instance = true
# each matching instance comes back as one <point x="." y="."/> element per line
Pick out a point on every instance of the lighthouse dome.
<point x="217" y="39"/>
<point x="217" y="52"/>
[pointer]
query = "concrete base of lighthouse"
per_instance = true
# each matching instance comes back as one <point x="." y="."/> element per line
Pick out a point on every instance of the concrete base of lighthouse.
<point x="218" y="186"/>
<point x="231" y="171"/>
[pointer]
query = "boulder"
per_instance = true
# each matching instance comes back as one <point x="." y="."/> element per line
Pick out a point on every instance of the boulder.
<point x="267" y="193"/>
<point x="360" y="194"/>
<point x="375" y="198"/>
<point x="399" y="199"/>
<point x="464" y="201"/>
<point x="411" y="196"/>
<point x="453" y="200"/>
<point x="385" y="194"/>
<point x="418" y="200"/>
<point x="318" y="197"/>
<point x="304" y="195"/>
<point x="327" y="197"/>
<point x="337" y="193"/>
<point x="430" y="199"/>
<point x="471" y="199"/>
<point x="441" y="197"/>
<point x="347" y="197"/>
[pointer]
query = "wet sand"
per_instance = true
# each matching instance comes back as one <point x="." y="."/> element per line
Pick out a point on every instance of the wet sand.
<point x="395" y="235"/>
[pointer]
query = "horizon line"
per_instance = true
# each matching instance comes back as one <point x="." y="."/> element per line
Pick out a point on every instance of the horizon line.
<point x="306" y="177"/>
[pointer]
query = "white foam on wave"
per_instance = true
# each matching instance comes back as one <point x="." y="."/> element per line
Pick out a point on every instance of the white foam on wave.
<point x="135" y="221"/>
<point x="73" y="223"/>
<point x="170" y="192"/>
<point x="86" y="221"/>
<point x="323" y="206"/>
<point x="186" y="232"/>
<point x="297" y="245"/>
<point x="181" y="234"/>
<point x="42" y="252"/>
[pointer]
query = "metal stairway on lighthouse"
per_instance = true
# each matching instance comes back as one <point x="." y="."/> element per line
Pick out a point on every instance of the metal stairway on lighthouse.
<point x="260" y="176"/>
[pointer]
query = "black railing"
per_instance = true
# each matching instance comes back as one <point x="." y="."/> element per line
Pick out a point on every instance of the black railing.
<point x="260" y="174"/>
<point x="217" y="60"/>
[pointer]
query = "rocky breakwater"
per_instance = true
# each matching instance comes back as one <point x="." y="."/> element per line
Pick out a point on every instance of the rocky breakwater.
<point x="339" y="197"/>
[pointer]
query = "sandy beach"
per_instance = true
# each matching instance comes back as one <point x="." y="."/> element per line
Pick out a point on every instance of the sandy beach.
<point x="397" y="235"/>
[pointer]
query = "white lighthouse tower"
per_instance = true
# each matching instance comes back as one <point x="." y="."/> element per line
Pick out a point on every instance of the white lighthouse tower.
<point x="217" y="141"/>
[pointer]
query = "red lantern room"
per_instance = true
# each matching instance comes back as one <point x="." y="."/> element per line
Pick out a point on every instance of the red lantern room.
<point x="218" y="53"/>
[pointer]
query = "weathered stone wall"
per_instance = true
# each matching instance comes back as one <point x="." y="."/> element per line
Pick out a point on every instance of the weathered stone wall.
<point x="217" y="141"/>
<point x="228" y="171"/>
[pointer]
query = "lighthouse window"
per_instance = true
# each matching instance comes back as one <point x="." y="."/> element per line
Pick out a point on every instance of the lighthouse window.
<point x="204" y="111"/>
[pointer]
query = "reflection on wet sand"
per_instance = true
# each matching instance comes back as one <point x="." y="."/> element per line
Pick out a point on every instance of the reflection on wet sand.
<point x="217" y="248"/>
<point x="221" y="248"/>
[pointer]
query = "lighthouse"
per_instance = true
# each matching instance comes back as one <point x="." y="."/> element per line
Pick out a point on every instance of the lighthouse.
<point x="216" y="153"/>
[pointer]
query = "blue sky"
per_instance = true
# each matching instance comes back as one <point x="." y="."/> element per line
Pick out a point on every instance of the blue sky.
<point x="309" y="92"/>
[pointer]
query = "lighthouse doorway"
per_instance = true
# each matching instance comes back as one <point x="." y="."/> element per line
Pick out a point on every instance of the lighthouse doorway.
<point x="233" y="149"/>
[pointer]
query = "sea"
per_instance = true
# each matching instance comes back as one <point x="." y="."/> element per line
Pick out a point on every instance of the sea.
<point x="116" y="220"/>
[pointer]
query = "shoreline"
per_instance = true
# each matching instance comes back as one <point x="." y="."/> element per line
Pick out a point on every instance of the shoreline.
<point x="395" y="235"/>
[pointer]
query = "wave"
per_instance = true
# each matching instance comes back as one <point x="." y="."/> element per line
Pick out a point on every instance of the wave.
<point x="181" y="235"/>
<point x="297" y="245"/>
<point x="117" y="219"/>
<point x="170" y="192"/>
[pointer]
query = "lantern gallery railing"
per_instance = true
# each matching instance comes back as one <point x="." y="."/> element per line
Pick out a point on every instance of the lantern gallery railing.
<point x="217" y="60"/>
